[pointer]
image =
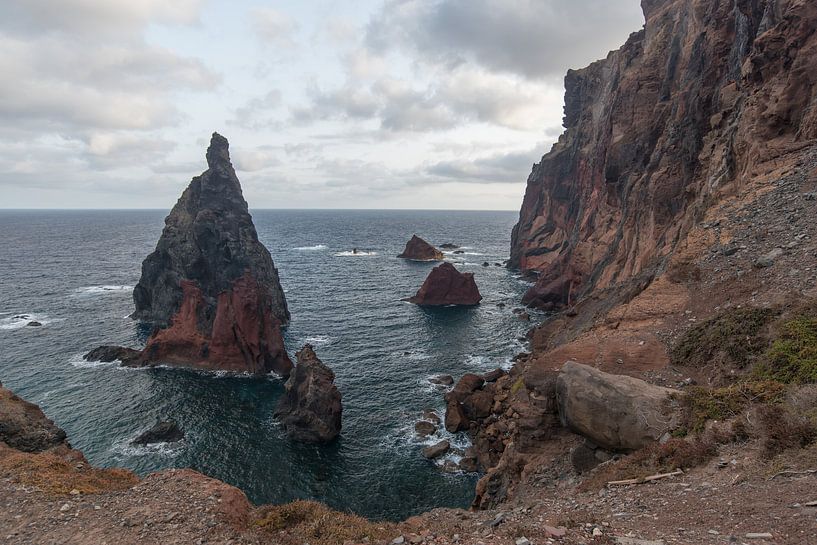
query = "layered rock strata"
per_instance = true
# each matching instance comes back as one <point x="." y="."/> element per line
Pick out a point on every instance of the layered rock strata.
<point x="310" y="410"/>
<point x="445" y="285"/>
<point x="210" y="287"/>
<point x="418" y="249"/>
<point x="688" y="110"/>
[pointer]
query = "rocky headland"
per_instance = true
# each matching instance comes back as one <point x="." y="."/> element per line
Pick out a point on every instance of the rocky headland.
<point x="210" y="287"/>
<point x="418" y="249"/>
<point x="445" y="285"/>
<point x="310" y="410"/>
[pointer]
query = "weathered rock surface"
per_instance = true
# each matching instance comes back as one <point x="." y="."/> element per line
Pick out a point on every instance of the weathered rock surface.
<point x="436" y="450"/>
<point x="445" y="285"/>
<point x="310" y="410"/>
<point x="108" y="354"/>
<point x="685" y="112"/>
<point x="23" y="426"/>
<point x="616" y="412"/>
<point x="210" y="286"/>
<point x="420" y="250"/>
<point x="161" y="432"/>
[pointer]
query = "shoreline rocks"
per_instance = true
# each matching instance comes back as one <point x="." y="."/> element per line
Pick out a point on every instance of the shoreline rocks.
<point x="24" y="426"/>
<point x="445" y="285"/>
<point x="418" y="249"/>
<point x="109" y="353"/>
<point x="310" y="410"/>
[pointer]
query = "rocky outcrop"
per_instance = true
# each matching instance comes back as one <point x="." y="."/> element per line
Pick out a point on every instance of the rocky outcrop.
<point x="420" y="250"/>
<point x="210" y="287"/>
<point x="616" y="412"/>
<point x="108" y="354"/>
<point x="445" y="285"/>
<point x="24" y="427"/>
<point x="310" y="410"/>
<point x="161" y="432"/>
<point x="702" y="99"/>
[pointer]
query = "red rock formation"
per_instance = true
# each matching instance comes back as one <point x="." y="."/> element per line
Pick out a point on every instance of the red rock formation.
<point x="420" y="250"/>
<point x="446" y="285"/>
<point x="679" y="116"/>
<point x="210" y="287"/>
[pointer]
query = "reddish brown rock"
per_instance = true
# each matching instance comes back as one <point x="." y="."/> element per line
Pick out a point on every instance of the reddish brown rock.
<point x="692" y="106"/>
<point x="446" y="285"/>
<point x="420" y="250"/>
<point x="23" y="426"/>
<point x="311" y="410"/>
<point x="210" y="287"/>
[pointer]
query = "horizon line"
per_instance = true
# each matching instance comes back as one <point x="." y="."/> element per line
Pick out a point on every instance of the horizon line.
<point x="32" y="209"/>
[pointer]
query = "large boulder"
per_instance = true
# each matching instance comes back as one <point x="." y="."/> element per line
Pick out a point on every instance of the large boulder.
<point x="210" y="287"/>
<point x="446" y="285"/>
<point x="23" y="426"/>
<point x="420" y="250"/>
<point x="616" y="412"/>
<point x="310" y="410"/>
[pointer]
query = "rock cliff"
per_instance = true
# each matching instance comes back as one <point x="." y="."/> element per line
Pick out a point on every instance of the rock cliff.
<point x="701" y="100"/>
<point x="210" y="286"/>
<point x="445" y="285"/>
<point x="310" y="410"/>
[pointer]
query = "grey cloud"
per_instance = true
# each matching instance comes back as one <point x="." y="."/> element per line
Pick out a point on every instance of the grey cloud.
<point x="274" y="26"/>
<point x="512" y="167"/>
<point x="256" y="113"/>
<point x="534" y="38"/>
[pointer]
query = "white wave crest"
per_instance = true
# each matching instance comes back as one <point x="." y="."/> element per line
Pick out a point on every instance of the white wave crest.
<point x="18" y="321"/>
<point x="318" y="340"/>
<point x="77" y="361"/>
<point x="315" y="248"/>
<point x="359" y="253"/>
<point x="101" y="290"/>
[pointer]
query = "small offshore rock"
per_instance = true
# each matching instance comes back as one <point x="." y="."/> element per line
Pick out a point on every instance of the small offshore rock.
<point x="418" y="249"/>
<point x="161" y="432"/>
<point x="444" y="380"/>
<point x="34" y="324"/>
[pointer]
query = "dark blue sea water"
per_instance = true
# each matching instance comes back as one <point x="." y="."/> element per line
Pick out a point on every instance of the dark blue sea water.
<point x="73" y="271"/>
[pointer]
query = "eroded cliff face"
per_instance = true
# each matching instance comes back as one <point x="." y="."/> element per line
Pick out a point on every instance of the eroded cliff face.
<point x="210" y="286"/>
<point x="706" y="96"/>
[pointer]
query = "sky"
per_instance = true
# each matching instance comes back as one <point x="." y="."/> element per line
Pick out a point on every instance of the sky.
<point x="419" y="104"/>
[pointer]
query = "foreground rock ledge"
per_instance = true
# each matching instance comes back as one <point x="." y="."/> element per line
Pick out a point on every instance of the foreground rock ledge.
<point x="446" y="285"/>
<point x="311" y="409"/>
<point x="210" y="287"/>
<point x="420" y="250"/>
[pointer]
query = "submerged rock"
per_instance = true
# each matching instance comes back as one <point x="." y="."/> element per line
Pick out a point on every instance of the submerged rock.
<point x="424" y="429"/>
<point x="310" y="410"/>
<point x="449" y="246"/>
<point x="161" y="432"/>
<point x="616" y="412"/>
<point x="210" y="286"/>
<point x="420" y="250"/>
<point x="442" y="380"/>
<point x="446" y="285"/>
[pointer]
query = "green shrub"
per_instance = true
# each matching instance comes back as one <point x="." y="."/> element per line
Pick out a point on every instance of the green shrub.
<point x="703" y="404"/>
<point x="734" y="337"/>
<point x="792" y="358"/>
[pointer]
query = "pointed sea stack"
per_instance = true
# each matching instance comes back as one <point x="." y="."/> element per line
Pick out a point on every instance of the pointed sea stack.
<point x="446" y="285"/>
<point x="420" y="250"/>
<point x="310" y="410"/>
<point x="210" y="287"/>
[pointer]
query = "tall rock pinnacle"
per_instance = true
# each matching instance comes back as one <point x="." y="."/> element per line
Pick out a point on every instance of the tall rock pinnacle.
<point x="210" y="286"/>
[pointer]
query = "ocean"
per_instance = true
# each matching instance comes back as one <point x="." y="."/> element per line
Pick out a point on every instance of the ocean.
<point x="73" y="271"/>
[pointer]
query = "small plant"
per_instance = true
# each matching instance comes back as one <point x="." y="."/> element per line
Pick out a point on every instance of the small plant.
<point x="783" y="430"/>
<point x="792" y="358"/>
<point x="518" y="385"/>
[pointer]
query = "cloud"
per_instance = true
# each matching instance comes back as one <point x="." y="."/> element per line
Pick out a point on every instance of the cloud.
<point x="512" y="167"/>
<point x="274" y="27"/>
<point x="81" y="71"/>
<point x="255" y="114"/>
<point x="253" y="160"/>
<point x="532" y="38"/>
<point x="466" y="95"/>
